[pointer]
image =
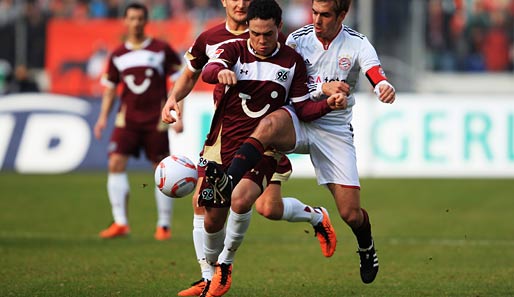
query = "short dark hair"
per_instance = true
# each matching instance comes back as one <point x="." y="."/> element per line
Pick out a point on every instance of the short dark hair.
<point x="265" y="10"/>
<point x="340" y="5"/>
<point x="137" y="5"/>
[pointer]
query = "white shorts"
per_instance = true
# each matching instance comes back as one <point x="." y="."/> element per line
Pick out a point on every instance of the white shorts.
<point x="331" y="151"/>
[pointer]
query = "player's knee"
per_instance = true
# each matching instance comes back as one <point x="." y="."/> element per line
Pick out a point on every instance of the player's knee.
<point x="351" y="216"/>
<point x="266" y="129"/>
<point x="266" y="211"/>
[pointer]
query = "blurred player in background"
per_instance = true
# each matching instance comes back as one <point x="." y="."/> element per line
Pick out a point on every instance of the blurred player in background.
<point x="271" y="204"/>
<point x="334" y="54"/>
<point x="143" y="66"/>
<point x="260" y="75"/>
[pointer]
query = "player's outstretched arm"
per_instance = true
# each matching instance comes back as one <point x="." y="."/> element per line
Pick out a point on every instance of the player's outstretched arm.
<point x="180" y="90"/>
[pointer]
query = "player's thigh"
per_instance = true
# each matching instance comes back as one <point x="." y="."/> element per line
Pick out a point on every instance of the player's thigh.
<point x="276" y="130"/>
<point x="333" y="156"/>
<point x="156" y="145"/>
<point x="348" y="202"/>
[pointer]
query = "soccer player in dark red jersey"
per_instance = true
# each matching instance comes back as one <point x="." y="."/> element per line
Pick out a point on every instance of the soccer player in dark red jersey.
<point x="260" y="75"/>
<point x="142" y="65"/>
<point x="270" y="204"/>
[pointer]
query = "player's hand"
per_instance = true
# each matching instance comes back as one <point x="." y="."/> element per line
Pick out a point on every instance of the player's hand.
<point x="227" y="77"/>
<point x="170" y="113"/>
<point x="334" y="87"/>
<point x="99" y="128"/>
<point x="338" y="101"/>
<point x="386" y="93"/>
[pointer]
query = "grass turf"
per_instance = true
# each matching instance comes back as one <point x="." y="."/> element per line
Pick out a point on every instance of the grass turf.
<point x="435" y="237"/>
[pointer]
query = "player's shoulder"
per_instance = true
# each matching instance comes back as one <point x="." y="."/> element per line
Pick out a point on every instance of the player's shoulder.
<point x="215" y="32"/>
<point x="302" y="33"/>
<point x="158" y="44"/>
<point x="353" y="34"/>
<point x="119" y="50"/>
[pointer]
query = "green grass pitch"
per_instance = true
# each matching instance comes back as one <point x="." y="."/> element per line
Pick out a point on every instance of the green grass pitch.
<point x="435" y="237"/>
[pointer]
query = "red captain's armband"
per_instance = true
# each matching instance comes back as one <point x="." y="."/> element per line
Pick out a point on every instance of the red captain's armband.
<point x="375" y="75"/>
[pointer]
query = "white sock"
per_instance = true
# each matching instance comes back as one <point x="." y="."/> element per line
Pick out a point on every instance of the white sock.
<point x="198" y="244"/>
<point x="164" y="208"/>
<point x="237" y="225"/>
<point x="297" y="211"/>
<point x="118" y="189"/>
<point x="213" y="245"/>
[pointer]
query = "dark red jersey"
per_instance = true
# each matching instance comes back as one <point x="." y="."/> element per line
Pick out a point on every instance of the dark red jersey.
<point x="143" y="71"/>
<point x="264" y="85"/>
<point x="206" y="44"/>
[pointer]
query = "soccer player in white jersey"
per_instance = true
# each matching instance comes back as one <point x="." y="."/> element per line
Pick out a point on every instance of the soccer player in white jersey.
<point x="270" y="204"/>
<point x="333" y="54"/>
<point x="143" y="66"/>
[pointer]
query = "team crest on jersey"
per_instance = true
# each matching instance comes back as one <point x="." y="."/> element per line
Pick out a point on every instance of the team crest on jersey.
<point x="282" y="75"/>
<point x="344" y="63"/>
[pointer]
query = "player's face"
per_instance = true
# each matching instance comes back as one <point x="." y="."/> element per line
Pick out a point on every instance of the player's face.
<point x="326" y="22"/>
<point x="263" y="36"/>
<point x="135" y="21"/>
<point x="236" y="10"/>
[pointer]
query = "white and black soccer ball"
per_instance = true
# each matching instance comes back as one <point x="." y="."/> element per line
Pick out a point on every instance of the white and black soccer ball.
<point x="176" y="176"/>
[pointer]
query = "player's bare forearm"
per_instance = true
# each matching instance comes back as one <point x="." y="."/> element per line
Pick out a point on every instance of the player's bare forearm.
<point x="182" y="87"/>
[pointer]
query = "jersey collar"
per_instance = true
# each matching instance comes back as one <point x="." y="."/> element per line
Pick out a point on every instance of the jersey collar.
<point x="136" y="46"/>
<point x="235" y="32"/>
<point x="325" y="47"/>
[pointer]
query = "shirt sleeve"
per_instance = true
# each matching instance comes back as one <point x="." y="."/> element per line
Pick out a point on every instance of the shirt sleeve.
<point x="196" y="58"/>
<point x="368" y="57"/>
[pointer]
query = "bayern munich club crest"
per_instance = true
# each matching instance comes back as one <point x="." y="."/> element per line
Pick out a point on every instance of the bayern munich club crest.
<point x="344" y="63"/>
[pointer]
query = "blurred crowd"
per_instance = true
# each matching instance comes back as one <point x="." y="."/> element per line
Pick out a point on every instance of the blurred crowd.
<point x="461" y="35"/>
<point x="471" y="35"/>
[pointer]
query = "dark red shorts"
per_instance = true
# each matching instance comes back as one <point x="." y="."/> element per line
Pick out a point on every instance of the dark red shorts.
<point x="261" y="175"/>
<point x="130" y="142"/>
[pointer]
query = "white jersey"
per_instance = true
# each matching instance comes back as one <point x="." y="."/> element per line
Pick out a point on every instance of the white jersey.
<point x="349" y="53"/>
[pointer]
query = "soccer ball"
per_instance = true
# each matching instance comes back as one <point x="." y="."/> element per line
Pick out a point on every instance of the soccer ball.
<point x="176" y="176"/>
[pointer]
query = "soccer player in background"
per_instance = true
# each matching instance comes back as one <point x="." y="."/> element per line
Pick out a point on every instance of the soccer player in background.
<point x="270" y="204"/>
<point x="260" y="75"/>
<point x="334" y="54"/>
<point x="142" y="65"/>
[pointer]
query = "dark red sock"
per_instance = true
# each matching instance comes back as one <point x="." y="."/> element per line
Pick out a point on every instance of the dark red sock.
<point x="246" y="157"/>
<point x="363" y="233"/>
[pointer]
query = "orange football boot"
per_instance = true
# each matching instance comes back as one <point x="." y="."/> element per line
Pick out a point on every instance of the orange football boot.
<point x="326" y="234"/>
<point x="196" y="288"/>
<point x="221" y="280"/>
<point x="162" y="233"/>
<point x="115" y="230"/>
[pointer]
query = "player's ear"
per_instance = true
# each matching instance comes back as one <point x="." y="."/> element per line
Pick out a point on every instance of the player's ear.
<point x="224" y="3"/>
<point x="279" y="27"/>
